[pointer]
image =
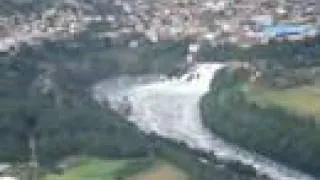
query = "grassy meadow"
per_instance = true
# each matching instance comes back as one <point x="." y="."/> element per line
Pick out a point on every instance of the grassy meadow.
<point x="161" y="171"/>
<point x="97" y="169"/>
<point x="304" y="101"/>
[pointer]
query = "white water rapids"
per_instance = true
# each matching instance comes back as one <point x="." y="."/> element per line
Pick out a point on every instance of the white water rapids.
<point x="170" y="108"/>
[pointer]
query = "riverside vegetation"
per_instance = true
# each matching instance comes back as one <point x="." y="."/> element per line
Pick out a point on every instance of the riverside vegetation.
<point x="67" y="122"/>
<point x="233" y="109"/>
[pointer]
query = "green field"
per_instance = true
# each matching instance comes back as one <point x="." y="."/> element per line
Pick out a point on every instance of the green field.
<point x="303" y="101"/>
<point x="92" y="169"/>
<point x="161" y="171"/>
<point x="95" y="169"/>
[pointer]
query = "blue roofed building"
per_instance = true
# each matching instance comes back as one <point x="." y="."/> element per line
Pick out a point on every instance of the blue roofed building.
<point x="289" y="31"/>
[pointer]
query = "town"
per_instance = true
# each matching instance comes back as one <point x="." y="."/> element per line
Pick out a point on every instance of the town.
<point x="243" y="22"/>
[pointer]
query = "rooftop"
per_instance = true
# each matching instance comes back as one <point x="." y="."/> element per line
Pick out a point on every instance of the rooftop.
<point x="4" y="167"/>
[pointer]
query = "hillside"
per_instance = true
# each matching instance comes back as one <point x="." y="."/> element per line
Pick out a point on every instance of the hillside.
<point x="266" y="121"/>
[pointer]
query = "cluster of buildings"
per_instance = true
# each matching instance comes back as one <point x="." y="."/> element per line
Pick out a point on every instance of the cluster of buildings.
<point x="264" y="21"/>
<point x="236" y="21"/>
<point x="63" y="20"/>
<point x="156" y="20"/>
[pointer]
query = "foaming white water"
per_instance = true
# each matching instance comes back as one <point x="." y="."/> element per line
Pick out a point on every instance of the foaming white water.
<point x="170" y="108"/>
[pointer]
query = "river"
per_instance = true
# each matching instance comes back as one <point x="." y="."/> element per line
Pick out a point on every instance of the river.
<point x="170" y="108"/>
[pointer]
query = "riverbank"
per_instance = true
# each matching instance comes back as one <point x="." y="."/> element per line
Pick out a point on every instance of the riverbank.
<point x="69" y="122"/>
<point x="271" y="131"/>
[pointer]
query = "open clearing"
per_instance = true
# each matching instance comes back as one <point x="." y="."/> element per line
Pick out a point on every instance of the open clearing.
<point x="92" y="169"/>
<point x="161" y="171"/>
<point x="301" y="100"/>
<point x="95" y="169"/>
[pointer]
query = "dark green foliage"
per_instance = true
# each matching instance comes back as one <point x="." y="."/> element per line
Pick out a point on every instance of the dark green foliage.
<point x="87" y="130"/>
<point x="79" y="126"/>
<point x="270" y="131"/>
<point x="287" y="54"/>
<point x="95" y="61"/>
<point x="134" y="167"/>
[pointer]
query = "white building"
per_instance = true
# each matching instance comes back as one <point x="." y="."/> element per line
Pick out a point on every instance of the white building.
<point x="3" y="172"/>
<point x="110" y="18"/>
<point x="210" y="36"/>
<point x="8" y="178"/>
<point x="281" y="11"/>
<point x="152" y="35"/>
<point x="264" y="20"/>
<point x="133" y="44"/>
<point x="193" y="48"/>
<point x="189" y="58"/>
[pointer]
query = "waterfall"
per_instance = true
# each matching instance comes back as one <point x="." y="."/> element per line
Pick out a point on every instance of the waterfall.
<point x="170" y="108"/>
